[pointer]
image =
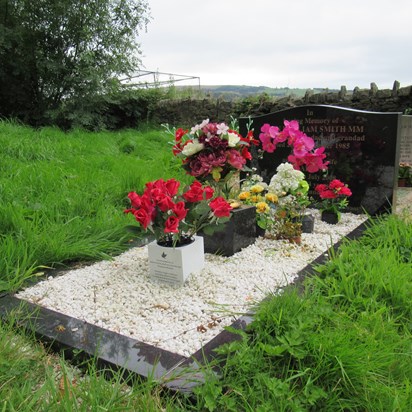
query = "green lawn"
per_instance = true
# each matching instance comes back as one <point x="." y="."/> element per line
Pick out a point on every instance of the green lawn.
<point x="343" y="344"/>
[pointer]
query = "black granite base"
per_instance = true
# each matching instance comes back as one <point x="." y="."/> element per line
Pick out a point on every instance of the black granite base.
<point x="173" y="371"/>
<point x="238" y="233"/>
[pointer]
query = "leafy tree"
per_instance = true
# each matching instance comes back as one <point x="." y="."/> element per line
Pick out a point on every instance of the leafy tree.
<point x="63" y="50"/>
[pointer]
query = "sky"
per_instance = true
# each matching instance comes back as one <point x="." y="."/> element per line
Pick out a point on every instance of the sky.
<point x="281" y="43"/>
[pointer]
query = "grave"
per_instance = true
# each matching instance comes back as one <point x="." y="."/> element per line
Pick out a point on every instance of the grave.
<point x="80" y="339"/>
<point x="405" y="150"/>
<point x="362" y="148"/>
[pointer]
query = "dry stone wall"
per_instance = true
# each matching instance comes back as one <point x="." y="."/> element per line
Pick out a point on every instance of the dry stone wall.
<point x="190" y="111"/>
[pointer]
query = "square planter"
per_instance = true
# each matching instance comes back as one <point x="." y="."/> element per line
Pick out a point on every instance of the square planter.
<point x="238" y="233"/>
<point x="174" y="265"/>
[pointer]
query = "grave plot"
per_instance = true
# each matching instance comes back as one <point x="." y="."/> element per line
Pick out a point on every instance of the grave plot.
<point x="113" y="311"/>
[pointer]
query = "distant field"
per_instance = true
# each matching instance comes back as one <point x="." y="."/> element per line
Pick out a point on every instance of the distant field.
<point x="233" y="91"/>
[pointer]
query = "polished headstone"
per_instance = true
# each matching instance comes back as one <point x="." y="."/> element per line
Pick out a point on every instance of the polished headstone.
<point x="361" y="147"/>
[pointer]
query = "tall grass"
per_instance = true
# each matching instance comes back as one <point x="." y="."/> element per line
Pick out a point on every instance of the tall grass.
<point x="62" y="195"/>
<point x="344" y="344"/>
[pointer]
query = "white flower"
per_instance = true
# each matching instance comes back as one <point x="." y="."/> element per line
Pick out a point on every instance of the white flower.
<point x="222" y="128"/>
<point x="192" y="148"/>
<point x="200" y="126"/>
<point x="286" y="179"/>
<point x="233" y="139"/>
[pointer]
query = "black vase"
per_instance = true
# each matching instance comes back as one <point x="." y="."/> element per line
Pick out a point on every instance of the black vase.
<point x="260" y="232"/>
<point x="329" y="217"/>
<point x="308" y="223"/>
<point x="238" y="233"/>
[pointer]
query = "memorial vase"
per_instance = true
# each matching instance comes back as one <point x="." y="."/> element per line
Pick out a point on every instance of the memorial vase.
<point x="329" y="217"/>
<point x="173" y="265"/>
<point x="236" y="234"/>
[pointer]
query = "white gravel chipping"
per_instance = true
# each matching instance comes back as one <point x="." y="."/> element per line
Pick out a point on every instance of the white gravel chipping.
<point x="118" y="294"/>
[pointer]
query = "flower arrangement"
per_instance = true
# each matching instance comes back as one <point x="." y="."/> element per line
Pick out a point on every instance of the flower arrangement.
<point x="211" y="151"/>
<point x="304" y="155"/>
<point x="291" y="189"/>
<point x="174" y="217"/>
<point x="334" y="196"/>
<point x="255" y="192"/>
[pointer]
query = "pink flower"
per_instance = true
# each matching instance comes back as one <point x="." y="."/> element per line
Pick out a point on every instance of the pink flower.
<point x="302" y="145"/>
<point x="235" y="159"/>
<point x="268" y="135"/>
<point x="296" y="162"/>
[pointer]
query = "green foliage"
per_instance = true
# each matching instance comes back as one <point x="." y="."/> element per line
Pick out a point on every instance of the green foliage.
<point x="54" y="50"/>
<point x="114" y="111"/>
<point x="33" y="379"/>
<point x="62" y="195"/>
<point x="344" y="344"/>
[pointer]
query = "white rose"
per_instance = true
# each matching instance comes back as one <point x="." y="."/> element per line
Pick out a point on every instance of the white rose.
<point x="233" y="139"/>
<point x="192" y="148"/>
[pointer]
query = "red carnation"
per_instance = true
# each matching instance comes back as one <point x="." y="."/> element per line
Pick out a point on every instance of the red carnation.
<point x="328" y="194"/>
<point x="321" y="188"/>
<point x="336" y="184"/>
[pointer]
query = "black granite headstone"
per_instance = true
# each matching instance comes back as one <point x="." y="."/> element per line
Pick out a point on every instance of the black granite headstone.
<point x="361" y="147"/>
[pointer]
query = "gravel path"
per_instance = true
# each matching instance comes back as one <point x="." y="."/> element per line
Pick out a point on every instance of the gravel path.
<point x="119" y="296"/>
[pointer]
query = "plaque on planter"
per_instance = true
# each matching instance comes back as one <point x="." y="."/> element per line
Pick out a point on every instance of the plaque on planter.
<point x="361" y="147"/>
<point x="173" y="265"/>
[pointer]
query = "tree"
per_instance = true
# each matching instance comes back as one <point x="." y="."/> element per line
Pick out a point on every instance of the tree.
<point x="59" y="50"/>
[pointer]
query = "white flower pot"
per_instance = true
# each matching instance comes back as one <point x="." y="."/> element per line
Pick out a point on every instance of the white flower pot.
<point x="174" y="265"/>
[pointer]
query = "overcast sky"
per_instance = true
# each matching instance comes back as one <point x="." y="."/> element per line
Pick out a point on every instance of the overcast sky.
<point x="282" y="43"/>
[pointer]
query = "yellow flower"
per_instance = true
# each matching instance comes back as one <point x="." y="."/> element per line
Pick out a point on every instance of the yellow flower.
<point x="262" y="207"/>
<point x="271" y="197"/>
<point x="244" y="195"/>
<point x="255" y="198"/>
<point x="234" y="204"/>
<point x="257" y="189"/>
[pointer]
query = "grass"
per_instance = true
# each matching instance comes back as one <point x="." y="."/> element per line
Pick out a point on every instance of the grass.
<point x="344" y="343"/>
<point x="62" y="195"/>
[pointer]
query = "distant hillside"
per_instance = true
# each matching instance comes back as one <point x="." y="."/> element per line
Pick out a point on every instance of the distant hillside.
<point x="231" y="92"/>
